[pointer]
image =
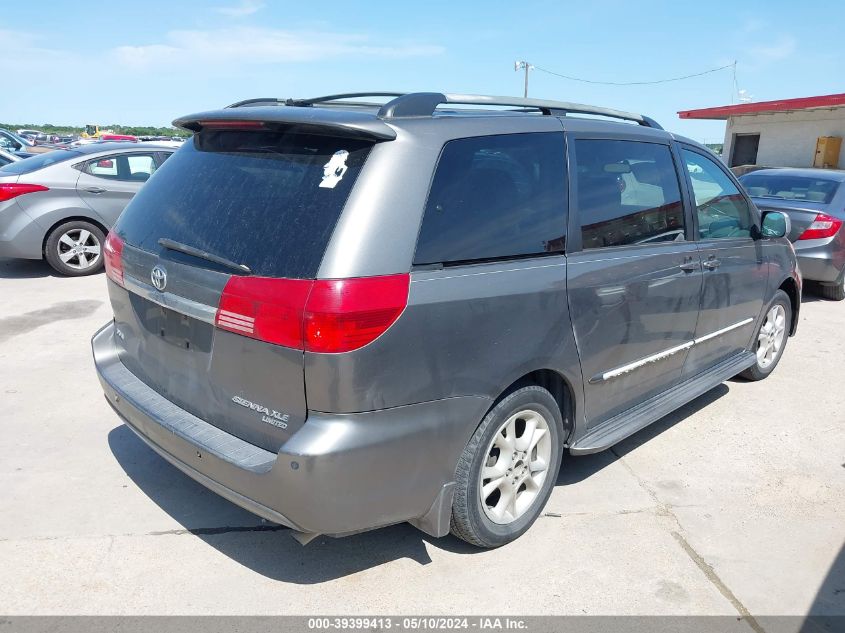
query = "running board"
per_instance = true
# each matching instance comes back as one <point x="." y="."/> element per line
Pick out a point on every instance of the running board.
<point x="629" y="422"/>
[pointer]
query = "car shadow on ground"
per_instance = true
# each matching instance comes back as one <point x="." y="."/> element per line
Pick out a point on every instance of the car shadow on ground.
<point x="578" y="469"/>
<point x="25" y="269"/>
<point x="271" y="551"/>
<point x="810" y="297"/>
<point x="830" y="599"/>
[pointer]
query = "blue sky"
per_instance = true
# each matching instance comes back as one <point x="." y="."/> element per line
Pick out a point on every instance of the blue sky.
<point x="76" y="61"/>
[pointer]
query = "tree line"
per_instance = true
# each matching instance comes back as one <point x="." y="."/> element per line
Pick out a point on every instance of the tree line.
<point x="134" y="130"/>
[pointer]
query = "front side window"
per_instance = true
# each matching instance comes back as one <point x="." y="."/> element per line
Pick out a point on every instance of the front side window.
<point x="628" y="193"/>
<point x="132" y="168"/>
<point x="496" y="197"/>
<point x="8" y="144"/>
<point x="723" y="212"/>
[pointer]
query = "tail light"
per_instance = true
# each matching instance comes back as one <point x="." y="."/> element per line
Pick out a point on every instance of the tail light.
<point x="14" y="189"/>
<point x="345" y="314"/>
<point x="325" y="316"/>
<point x="231" y="125"/>
<point x="264" y="308"/>
<point x="113" y="252"/>
<point x="823" y="226"/>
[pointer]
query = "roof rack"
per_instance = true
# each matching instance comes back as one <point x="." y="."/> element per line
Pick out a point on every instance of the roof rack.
<point x="420" y="104"/>
<point x="425" y="103"/>
<point x="328" y="99"/>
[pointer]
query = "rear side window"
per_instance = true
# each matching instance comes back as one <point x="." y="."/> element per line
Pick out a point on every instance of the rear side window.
<point x="269" y="200"/>
<point x="628" y="193"/>
<point x="495" y="197"/>
<point x="785" y="187"/>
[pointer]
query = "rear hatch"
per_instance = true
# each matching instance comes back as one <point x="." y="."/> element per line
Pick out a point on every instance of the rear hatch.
<point x="232" y="205"/>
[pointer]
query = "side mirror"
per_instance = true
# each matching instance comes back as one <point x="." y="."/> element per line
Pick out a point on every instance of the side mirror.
<point x="775" y="224"/>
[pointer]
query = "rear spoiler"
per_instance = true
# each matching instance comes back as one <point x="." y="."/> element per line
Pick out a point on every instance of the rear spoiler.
<point x="320" y="121"/>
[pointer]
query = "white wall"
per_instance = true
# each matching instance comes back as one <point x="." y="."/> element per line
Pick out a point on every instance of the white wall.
<point x="787" y="139"/>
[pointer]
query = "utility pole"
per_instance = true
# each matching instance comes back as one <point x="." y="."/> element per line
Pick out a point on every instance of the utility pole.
<point x="523" y="65"/>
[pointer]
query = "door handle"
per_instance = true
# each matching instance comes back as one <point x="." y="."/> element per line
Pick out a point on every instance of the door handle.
<point x="94" y="189"/>
<point x="712" y="263"/>
<point x="689" y="265"/>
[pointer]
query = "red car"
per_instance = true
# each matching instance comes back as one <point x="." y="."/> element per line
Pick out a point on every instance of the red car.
<point x="118" y="137"/>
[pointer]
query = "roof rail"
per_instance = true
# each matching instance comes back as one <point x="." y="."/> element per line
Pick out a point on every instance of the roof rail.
<point x="425" y="103"/>
<point x="417" y="104"/>
<point x="328" y="99"/>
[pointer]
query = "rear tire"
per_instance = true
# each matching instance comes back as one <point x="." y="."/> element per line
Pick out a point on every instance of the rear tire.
<point x="771" y="337"/>
<point x="515" y="457"/>
<point x="75" y="248"/>
<point x="834" y="292"/>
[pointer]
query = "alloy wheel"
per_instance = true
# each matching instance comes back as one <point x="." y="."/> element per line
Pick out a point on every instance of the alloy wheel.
<point x="771" y="336"/>
<point x="79" y="249"/>
<point x="515" y="466"/>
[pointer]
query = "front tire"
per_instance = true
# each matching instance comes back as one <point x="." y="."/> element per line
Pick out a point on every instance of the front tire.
<point x="508" y="469"/>
<point x="75" y="248"/>
<point x="771" y="337"/>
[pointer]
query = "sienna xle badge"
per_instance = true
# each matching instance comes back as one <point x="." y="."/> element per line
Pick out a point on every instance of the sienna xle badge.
<point x="344" y="314"/>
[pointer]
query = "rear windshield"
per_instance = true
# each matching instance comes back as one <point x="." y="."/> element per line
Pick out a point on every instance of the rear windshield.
<point x="786" y="187"/>
<point x="38" y="161"/>
<point x="268" y="200"/>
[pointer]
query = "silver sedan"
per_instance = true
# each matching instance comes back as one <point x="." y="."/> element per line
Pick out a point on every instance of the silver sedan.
<point x="59" y="206"/>
<point x="814" y="199"/>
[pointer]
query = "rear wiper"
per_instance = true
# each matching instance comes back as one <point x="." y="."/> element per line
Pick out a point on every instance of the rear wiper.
<point x="195" y="252"/>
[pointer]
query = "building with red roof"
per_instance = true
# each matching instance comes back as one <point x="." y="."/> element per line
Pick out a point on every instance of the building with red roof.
<point x="802" y="132"/>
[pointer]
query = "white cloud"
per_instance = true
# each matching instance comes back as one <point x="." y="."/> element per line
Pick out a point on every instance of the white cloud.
<point x="244" y="8"/>
<point x="256" y="45"/>
<point x="203" y="51"/>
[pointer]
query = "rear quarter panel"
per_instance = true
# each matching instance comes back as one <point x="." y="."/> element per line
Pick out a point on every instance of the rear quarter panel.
<point x="468" y="331"/>
<point x="48" y="208"/>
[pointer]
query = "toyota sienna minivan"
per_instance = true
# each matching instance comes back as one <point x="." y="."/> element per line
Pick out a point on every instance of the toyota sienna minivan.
<point x="343" y="313"/>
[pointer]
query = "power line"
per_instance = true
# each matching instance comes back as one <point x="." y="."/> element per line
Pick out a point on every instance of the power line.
<point x="634" y="83"/>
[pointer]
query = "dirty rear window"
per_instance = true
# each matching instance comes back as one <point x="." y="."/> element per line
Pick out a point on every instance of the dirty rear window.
<point x="269" y="200"/>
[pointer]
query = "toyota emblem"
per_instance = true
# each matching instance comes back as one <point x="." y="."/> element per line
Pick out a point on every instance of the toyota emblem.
<point x="158" y="276"/>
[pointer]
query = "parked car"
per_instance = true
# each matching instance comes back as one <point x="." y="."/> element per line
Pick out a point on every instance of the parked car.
<point x="343" y="317"/>
<point x="60" y="205"/>
<point x="814" y="199"/>
<point x="28" y="134"/>
<point x="119" y="137"/>
<point x="8" y="157"/>
<point x="11" y="142"/>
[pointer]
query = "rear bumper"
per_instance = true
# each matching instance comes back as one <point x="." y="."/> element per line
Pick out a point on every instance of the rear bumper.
<point x="821" y="262"/>
<point x="20" y="235"/>
<point x="339" y="474"/>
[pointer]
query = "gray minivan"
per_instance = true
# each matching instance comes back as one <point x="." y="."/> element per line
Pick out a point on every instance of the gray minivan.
<point x="342" y="314"/>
